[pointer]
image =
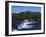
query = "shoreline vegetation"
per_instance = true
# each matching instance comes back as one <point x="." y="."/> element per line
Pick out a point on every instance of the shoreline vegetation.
<point x="30" y="16"/>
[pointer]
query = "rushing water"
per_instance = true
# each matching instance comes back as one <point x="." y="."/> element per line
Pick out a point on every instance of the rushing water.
<point x="25" y="25"/>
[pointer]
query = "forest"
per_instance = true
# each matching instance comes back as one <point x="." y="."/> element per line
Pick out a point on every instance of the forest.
<point x="34" y="16"/>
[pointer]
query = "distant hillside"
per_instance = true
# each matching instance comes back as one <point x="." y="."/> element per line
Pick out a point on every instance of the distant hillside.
<point x="27" y="15"/>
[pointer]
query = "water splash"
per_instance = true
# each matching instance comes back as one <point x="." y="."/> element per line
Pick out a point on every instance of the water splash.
<point x="25" y="25"/>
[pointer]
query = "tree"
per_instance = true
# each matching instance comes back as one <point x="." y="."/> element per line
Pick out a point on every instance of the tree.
<point x="26" y="15"/>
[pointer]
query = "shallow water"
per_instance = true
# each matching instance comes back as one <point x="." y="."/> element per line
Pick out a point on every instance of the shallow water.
<point x="25" y="25"/>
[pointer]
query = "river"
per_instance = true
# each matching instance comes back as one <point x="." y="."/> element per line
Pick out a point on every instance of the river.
<point x="25" y="25"/>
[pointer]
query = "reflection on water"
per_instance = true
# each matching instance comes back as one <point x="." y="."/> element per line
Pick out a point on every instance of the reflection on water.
<point x="25" y="25"/>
